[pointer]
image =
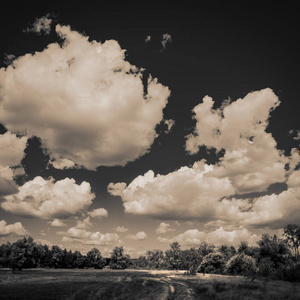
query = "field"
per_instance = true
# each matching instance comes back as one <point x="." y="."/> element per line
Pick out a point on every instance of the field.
<point x="134" y="284"/>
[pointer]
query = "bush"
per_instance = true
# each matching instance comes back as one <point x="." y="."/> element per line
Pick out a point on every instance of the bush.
<point x="241" y="264"/>
<point x="213" y="263"/>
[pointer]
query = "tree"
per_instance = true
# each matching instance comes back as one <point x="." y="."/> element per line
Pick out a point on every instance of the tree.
<point x="291" y="234"/>
<point x="173" y="256"/>
<point x="241" y="264"/>
<point x="213" y="263"/>
<point x="119" y="260"/>
<point x="56" y="257"/>
<point x="94" y="259"/>
<point x="156" y="259"/>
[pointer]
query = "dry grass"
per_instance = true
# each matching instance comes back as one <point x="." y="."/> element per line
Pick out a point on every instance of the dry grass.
<point x="137" y="284"/>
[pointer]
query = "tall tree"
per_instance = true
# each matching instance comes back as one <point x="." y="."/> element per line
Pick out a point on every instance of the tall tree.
<point x="173" y="256"/>
<point x="118" y="259"/>
<point x="291" y="234"/>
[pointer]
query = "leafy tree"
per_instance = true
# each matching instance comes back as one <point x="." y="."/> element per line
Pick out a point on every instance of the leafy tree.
<point x="155" y="259"/>
<point x="213" y="263"/>
<point x="190" y="259"/>
<point x="227" y="251"/>
<point x="173" y="256"/>
<point x="241" y="264"/>
<point x="94" y="259"/>
<point x="205" y="248"/>
<point x="79" y="260"/>
<point x="118" y="259"/>
<point x="142" y="262"/>
<point x="291" y="234"/>
<point x="56" y="257"/>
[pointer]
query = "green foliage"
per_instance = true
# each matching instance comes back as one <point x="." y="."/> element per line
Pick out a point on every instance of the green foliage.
<point x="241" y="264"/>
<point x="213" y="263"/>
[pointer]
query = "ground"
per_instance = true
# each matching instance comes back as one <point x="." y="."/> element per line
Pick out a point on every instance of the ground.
<point x="136" y="284"/>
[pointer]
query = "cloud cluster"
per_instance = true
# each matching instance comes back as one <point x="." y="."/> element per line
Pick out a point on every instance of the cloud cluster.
<point x="185" y="193"/>
<point x="77" y="235"/>
<point x="166" y="38"/>
<point x="210" y="193"/>
<point x="47" y="199"/>
<point x="251" y="160"/>
<point x="84" y="100"/>
<point x="218" y="237"/>
<point x="139" y="236"/>
<point x="12" y="229"/>
<point x="121" y="229"/>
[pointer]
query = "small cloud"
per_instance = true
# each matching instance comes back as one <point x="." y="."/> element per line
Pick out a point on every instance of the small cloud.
<point x="137" y="237"/>
<point x="166" y="38"/>
<point x="12" y="229"/>
<point x="164" y="228"/>
<point x="57" y="223"/>
<point x="148" y="39"/>
<point x="84" y="224"/>
<point x="121" y="229"/>
<point x="98" y="213"/>
<point x="297" y="138"/>
<point x="40" y="24"/>
<point x="170" y="123"/>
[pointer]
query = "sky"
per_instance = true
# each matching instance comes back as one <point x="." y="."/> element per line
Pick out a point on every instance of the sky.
<point x="137" y="124"/>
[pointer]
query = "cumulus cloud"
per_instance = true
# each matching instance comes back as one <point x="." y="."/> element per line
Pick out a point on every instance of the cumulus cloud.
<point x="84" y="100"/>
<point x="77" y="235"/>
<point x="41" y="24"/>
<point x="11" y="149"/>
<point x="251" y="160"/>
<point x="187" y="192"/>
<point x="141" y="235"/>
<point x="121" y="229"/>
<point x="166" y="38"/>
<point x="12" y="229"/>
<point x="7" y="184"/>
<point x="218" y="237"/>
<point x="98" y="213"/>
<point x="47" y="199"/>
<point x="164" y="228"/>
<point x="57" y="223"/>
<point x="84" y="224"/>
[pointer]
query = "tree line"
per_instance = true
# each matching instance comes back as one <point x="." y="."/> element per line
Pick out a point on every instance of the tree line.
<point x="273" y="257"/>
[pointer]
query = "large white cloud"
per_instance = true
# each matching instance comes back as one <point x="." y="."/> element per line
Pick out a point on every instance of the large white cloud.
<point x="12" y="229"/>
<point x="187" y="192"/>
<point x="251" y="160"/>
<point x="47" y="199"/>
<point x="84" y="100"/>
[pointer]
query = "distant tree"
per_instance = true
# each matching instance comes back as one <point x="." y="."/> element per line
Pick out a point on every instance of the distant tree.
<point x="56" y="257"/>
<point x="79" y="260"/>
<point x="155" y="259"/>
<point x="5" y="251"/>
<point x="227" y="251"/>
<point x="291" y="234"/>
<point x="190" y="259"/>
<point x="173" y="256"/>
<point x="246" y="249"/>
<point x="273" y="254"/>
<point x="141" y="262"/>
<point x="213" y="263"/>
<point x="23" y="254"/>
<point x="205" y="248"/>
<point x="94" y="259"/>
<point x="241" y="264"/>
<point x="118" y="259"/>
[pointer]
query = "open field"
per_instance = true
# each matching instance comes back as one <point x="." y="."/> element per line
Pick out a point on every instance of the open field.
<point x="136" y="284"/>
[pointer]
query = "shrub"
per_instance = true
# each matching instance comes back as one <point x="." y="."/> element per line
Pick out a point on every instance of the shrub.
<point x="213" y="263"/>
<point x="241" y="264"/>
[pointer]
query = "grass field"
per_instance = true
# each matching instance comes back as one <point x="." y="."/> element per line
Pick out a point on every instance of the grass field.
<point x="134" y="284"/>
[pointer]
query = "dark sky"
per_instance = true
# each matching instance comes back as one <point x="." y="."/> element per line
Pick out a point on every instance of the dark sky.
<point x="223" y="49"/>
